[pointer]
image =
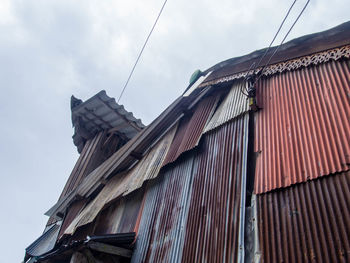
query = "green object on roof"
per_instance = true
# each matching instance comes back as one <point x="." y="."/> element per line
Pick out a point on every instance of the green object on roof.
<point x="195" y="76"/>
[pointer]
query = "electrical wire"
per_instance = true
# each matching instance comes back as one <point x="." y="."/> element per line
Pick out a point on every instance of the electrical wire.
<point x="245" y="78"/>
<point x="274" y="38"/>
<point x="143" y="47"/>
<point x="275" y="51"/>
<point x="267" y="50"/>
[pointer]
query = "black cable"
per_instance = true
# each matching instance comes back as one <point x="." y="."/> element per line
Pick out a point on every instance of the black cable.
<point x="279" y="29"/>
<point x="245" y="78"/>
<point x="290" y="29"/>
<point x="143" y="47"/>
<point x="258" y="64"/>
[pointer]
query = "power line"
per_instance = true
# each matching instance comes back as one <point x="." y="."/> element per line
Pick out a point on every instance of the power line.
<point x="290" y="29"/>
<point x="143" y="47"/>
<point x="273" y="40"/>
<point x="262" y="57"/>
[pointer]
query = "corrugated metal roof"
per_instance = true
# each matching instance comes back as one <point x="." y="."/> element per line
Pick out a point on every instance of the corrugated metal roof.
<point x="44" y="243"/>
<point x="72" y="212"/>
<point x="308" y="222"/>
<point x="64" y="253"/>
<point x="191" y="211"/>
<point x="121" y="216"/>
<point x="123" y="158"/>
<point x="146" y="169"/>
<point x="161" y="228"/>
<point x="100" y="113"/>
<point x="299" y="47"/>
<point x="234" y="104"/>
<point x="190" y="129"/>
<point x="95" y="152"/>
<point x="213" y="219"/>
<point x="302" y="131"/>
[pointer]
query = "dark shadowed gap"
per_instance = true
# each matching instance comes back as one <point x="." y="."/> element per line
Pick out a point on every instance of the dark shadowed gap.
<point x="251" y="160"/>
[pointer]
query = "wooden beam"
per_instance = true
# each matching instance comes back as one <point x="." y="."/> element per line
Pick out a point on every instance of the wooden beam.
<point x="109" y="249"/>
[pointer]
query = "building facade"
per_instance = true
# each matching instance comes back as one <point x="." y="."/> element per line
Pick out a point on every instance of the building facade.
<point x="248" y="165"/>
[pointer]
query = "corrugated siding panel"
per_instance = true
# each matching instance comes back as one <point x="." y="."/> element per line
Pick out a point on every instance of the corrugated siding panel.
<point x="79" y="170"/>
<point x="308" y="222"/>
<point x="191" y="212"/>
<point x="234" y="104"/>
<point x="161" y="229"/>
<point x="213" y="221"/>
<point x="44" y="243"/>
<point x="149" y="166"/>
<point x="146" y="169"/>
<point x="190" y="129"/>
<point x="302" y="131"/>
<point x="121" y="216"/>
<point x="72" y="212"/>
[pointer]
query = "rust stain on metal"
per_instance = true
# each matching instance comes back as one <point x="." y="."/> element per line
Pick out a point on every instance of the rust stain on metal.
<point x="213" y="219"/>
<point x="234" y="105"/>
<point x="308" y="222"/>
<point x="302" y="131"/>
<point x="191" y="212"/>
<point x="126" y="183"/>
<point x="190" y="129"/>
<point x="72" y="212"/>
<point x="121" y="216"/>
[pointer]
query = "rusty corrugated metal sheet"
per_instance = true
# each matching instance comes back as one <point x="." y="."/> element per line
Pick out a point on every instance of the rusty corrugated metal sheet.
<point x="102" y="113"/>
<point x="234" y="104"/>
<point x="191" y="211"/>
<point x="78" y="171"/>
<point x="299" y="47"/>
<point x="308" y="222"/>
<point x="121" y="216"/>
<point x="302" y="131"/>
<point x="190" y="129"/>
<point x="95" y="152"/>
<point x="213" y="222"/>
<point x="119" y="185"/>
<point x="161" y="229"/>
<point x="72" y="212"/>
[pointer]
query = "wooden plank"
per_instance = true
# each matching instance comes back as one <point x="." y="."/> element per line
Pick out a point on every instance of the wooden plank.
<point x="109" y="249"/>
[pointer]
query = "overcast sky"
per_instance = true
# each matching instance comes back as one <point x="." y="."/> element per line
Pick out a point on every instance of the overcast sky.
<point x="50" y="50"/>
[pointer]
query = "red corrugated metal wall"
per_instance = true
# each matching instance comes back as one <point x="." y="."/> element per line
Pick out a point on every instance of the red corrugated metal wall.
<point x="190" y="129"/>
<point x="308" y="222"/>
<point x="191" y="212"/>
<point x="213" y="217"/>
<point x="302" y="130"/>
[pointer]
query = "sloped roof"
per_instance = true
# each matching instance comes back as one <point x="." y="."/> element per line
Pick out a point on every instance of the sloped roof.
<point x="148" y="137"/>
<point x="299" y="47"/>
<point x="99" y="113"/>
<point x="44" y="243"/>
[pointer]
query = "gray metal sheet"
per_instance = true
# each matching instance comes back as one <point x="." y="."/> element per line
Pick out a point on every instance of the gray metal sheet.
<point x="45" y="242"/>
<point x="234" y="105"/>
<point x="192" y="210"/>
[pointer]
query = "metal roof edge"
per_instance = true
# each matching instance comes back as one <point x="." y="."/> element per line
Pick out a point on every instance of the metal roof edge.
<point x="112" y="164"/>
<point x="301" y="46"/>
